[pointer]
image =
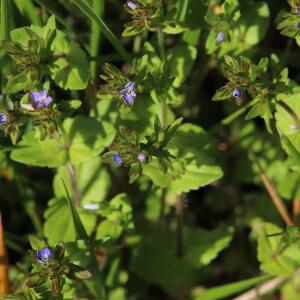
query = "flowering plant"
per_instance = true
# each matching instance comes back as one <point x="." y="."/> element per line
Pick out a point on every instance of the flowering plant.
<point x="150" y="149"/>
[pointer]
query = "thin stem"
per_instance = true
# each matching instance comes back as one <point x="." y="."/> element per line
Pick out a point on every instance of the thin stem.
<point x="75" y="190"/>
<point x="179" y="239"/>
<point x="278" y="202"/>
<point x="296" y="210"/>
<point x="229" y="119"/>
<point x="162" y="208"/>
<point x="161" y="44"/>
<point x="179" y="231"/>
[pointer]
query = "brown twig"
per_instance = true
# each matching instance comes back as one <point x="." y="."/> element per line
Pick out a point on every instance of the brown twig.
<point x="279" y="204"/>
<point x="296" y="210"/>
<point x="4" y="281"/>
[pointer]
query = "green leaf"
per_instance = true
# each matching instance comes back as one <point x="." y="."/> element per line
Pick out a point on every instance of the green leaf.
<point x="36" y="243"/>
<point x="93" y="181"/>
<point x="276" y="257"/>
<point x="287" y="119"/>
<point x="59" y="224"/>
<point x="17" y="83"/>
<point x="231" y="289"/>
<point x="254" y="24"/>
<point x="118" y="218"/>
<point x="69" y="71"/>
<point x="88" y="137"/>
<point x="180" y="60"/>
<point x="200" y="248"/>
<point x="32" y="150"/>
<point x="193" y="149"/>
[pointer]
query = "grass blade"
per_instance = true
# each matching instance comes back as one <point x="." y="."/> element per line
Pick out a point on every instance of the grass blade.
<point x="98" y="6"/>
<point x="90" y="13"/>
<point x="4" y="22"/>
<point x="230" y="289"/>
<point x="79" y="228"/>
<point x="27" y="8"/>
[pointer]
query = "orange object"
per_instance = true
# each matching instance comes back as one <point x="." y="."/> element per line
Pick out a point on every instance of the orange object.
<point x="4" y="282"/>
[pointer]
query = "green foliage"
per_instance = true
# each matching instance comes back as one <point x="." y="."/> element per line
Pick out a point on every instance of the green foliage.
<point x="127" y="180"/>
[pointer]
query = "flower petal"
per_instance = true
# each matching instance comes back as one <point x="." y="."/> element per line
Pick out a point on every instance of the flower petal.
<point x="44" y="93"/>
<point x="36" y="96"/>
<point x="48" y="101"/>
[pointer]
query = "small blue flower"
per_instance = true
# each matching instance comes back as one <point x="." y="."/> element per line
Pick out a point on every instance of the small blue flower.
<point x="42" y="256"/>
<point x="4" y="119"/>
<point x="128" y="93"/>
<point x="131" y="5"/>
<point x="236" y="93"/>
<point x="41" y="99"/>
<point x="142" y="157"/>
<point x="117" y="159"/>
<point x="220" y="37"/>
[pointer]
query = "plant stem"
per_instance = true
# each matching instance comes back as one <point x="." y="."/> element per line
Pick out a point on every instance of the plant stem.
<point x="162" y="208"/>
<point x="75" y="190"/>
<point x="278" y="202"/>
<point x="179" y="230"/>
<point x="226" y="121"/>
<point x="179" y="239"/>
<point x="296" y="210"/>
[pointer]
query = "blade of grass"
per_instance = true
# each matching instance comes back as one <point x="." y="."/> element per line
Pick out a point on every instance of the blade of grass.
<point x="182" y="10"/>
<point x="95" y="283"/>
<point x="230" y="289"/>
<point x="90" y="13"/>
<point x="79" y="228"/>
<point x="98" y="6"/>
<point x="4" y="22"/>
<point x="27" y="8"/>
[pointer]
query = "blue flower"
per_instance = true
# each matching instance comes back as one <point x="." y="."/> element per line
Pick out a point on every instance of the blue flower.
<point x="298" y="25"/>
<point x="42" y="256"/>
<point x="220" y="37"/>
<point x="131" y="5"/>
<point x="128" y="93"/>
<point x="41" y="99"/>
<point x="117" y="159"/>
<point x="4" y="119"/>
<point x="142" y="157"/>
<point x="236" y="93"/>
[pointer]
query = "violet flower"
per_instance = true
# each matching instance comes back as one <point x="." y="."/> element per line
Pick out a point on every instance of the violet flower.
<point x="128" y="93"/>
<point x="131" y="5"/>
<point x="142" y="157"/>
<point x="117" y="159"/>
<point x="42" y="256"/>
<point x="220" y="37"/>
<point x="4" y="119"/>
<point x="41" y="99"/>
<point x="236" y="93"/>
